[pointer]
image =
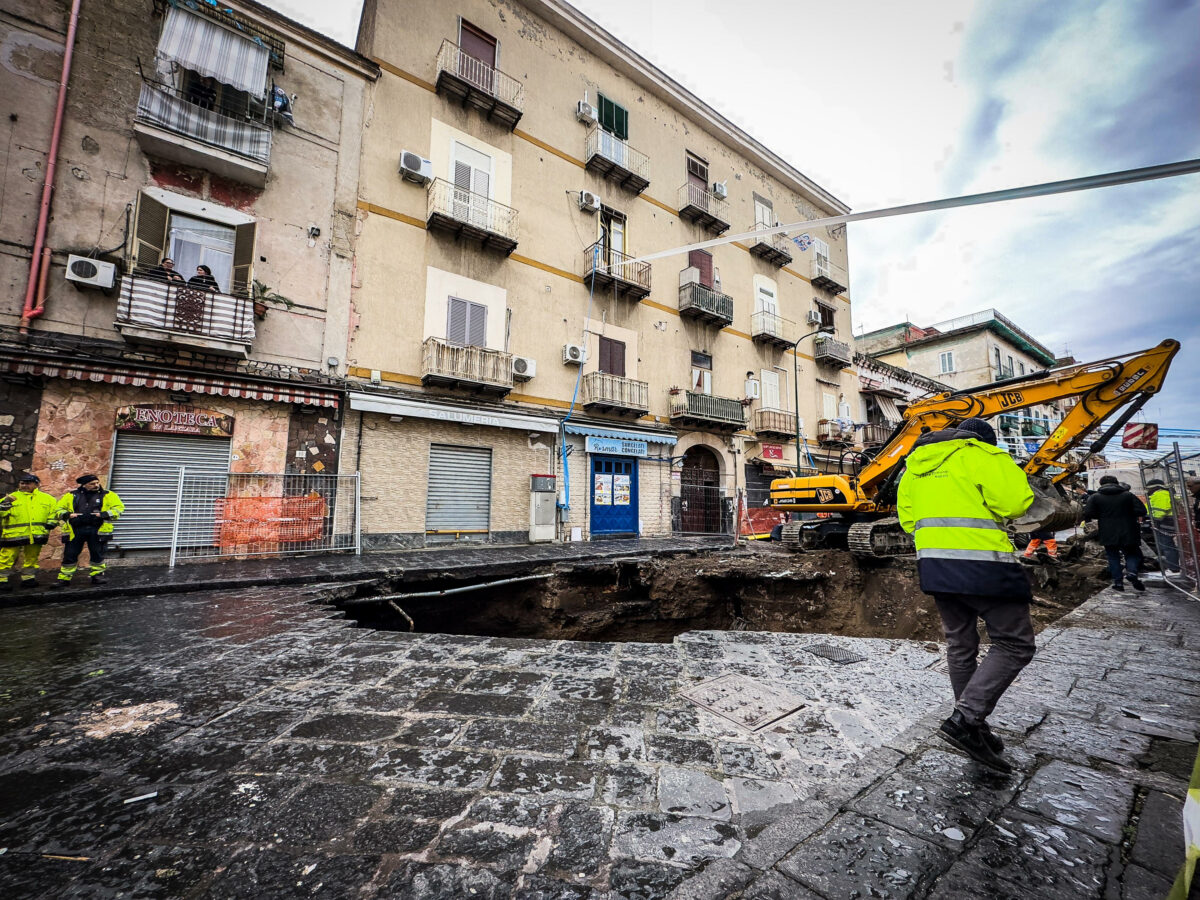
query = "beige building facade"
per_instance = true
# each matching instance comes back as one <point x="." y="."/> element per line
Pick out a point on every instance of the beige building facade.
<point x="516" y="161"/>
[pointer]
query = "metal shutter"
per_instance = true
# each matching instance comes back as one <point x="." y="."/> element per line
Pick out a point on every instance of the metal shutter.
<point x="145" y="475"/>
<point x="460" y="492"/>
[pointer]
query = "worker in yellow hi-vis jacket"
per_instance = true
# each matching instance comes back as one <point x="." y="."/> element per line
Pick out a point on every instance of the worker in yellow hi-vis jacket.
<point x="26" y="518"/>
<point x="88" y="514"/>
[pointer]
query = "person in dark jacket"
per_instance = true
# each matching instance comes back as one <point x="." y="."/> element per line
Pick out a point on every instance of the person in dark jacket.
<point x="1117" y="512"/>
<point x="203" y="279"/>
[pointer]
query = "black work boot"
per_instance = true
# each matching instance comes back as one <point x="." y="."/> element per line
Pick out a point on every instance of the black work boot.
<point x="1117" y="586"/>
<point x="990" y="737"/>
<point x="968" y="738"/>
<point x="1137" y="583"/>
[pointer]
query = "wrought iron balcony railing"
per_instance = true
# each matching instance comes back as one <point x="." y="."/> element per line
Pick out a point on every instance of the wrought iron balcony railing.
<point x="615" y="393"/>
<point x="696" y="204"/>
<point x="774" y="421"/>
<point x="500" y="97"/>
<point x="832" y="352"/>
<point x="707" y="410"/>
<point x="829" y="276"/>
<point x="700" y="302"/>
<point x="774" y="248"/>
<point x="154" y="310"/>
<point x="874" y="434"/>
<point x="472" y="216"/>
<point x="768" y="328"/>
<point x="608" y="155"/>
<point x="466" y="366"/>
<point x="605" y="269"/>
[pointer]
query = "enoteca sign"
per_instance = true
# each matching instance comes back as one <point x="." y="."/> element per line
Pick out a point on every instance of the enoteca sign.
<point x="166" y="419"/>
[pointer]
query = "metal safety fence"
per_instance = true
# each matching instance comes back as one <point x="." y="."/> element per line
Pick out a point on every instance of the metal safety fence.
<point x="707" y="503"/>
<point x="1176" y="541"/>
<point x="236" y="516"/>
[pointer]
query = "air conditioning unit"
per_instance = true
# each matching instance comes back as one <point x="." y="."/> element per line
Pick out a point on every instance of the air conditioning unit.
<point x="589" y="202"/>
<point x="814" y="317"/>
<point x="574" y="355"/>
<point x="87" y="272"/>
<point x="416" y="168"/>
<point x="720" y="190"/>
<point x="523" y="368"/>
<point x="753" y="389"/>
<point x="587" y="113"/>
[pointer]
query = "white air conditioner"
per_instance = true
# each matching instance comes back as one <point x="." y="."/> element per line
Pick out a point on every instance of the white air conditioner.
<point x="587" y="113"/>
<point x="574" y="355"/>
<point x="589" y="202"/>
<point x="814" y="317"/>
<point x="87" y="272"/>
<point x="720" y="190"/>
<point x="753" y="389"/>
<point x="523" y="368"/>
<point x="415" y="167"/>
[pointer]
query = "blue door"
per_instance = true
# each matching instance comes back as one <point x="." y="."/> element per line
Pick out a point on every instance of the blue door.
<point x="614" y="496"/>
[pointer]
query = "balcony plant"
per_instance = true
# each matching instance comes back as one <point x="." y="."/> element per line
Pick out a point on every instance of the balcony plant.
<point x="263" y="295"/>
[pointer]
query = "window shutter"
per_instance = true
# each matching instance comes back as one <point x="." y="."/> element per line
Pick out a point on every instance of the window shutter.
<point x="605" y="355"/>
<point x="482" y="183"/>
<point x="477" y="325"/>
<point x="697" y="169"/>
<point x="462" y="176"/>
<point x="456" y="321"/>
<point x="243" y="258"/>
<point x="606" y="113"/>
<point x="149" y="232"/>
<point x="703" y="261"/>
<point x="616" y="352"/>
<point x="621" y="122"/>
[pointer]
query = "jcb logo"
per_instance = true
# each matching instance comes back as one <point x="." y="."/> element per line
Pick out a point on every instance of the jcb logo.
<point x="1010" y="398"/>
<point x="824" y="495"/>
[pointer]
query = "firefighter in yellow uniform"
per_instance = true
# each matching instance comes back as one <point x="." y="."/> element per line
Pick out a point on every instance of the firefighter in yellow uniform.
<point x="88" y="514"/>
<point x="26" y="517"/>
<point x="956" y="492"/>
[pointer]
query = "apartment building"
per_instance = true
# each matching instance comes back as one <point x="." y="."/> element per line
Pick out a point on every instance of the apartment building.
<point x="970" y="351"/>
<point x="516" y="161"/>
<point x="219" y="136"/>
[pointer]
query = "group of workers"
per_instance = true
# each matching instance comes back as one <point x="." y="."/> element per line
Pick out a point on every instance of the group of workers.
<point x="957" y="490"/>
<point x="28" y="515"/>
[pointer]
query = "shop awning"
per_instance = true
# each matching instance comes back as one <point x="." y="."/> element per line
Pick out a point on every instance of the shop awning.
<point x="464" y="415"/>
<point x="203" y="46"/>
<point x="184" y="382"/>
<point x="650" y="437"/>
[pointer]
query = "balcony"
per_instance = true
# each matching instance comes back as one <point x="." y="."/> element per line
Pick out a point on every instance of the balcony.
<point x="834" y="431"/>
<point x="829" y="352"/>
<point x="876" y="434"/>
<point x="224" y="141"/>
<point x="472" y="82"/>
<point x="458" y="365"/>
<point x="612" y="393"/>
<point x="774" y="248"/>
<point x="470" y="216"/>
<point x="829" y="276"/>
<point x="154" y="312"/>
<point x="608" y="155"/>
<point x="767" y="328"/>
<point x="707" y="411"/>
<point x="704" y="208"/>
<point x="1003" y="372"/>
<point x="776" y="422"/>
<point x="699" y="302"/>
<point x="613" y="271"/>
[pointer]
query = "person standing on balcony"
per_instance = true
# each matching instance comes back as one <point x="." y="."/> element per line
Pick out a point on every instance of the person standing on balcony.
<point x="1118" y="513"/>
<point x="166" y="271"/>
<point x="1162" y="516"/>
<point x="26" y="519"/>
<point x="956" y="491"/>
<point x="88" y="512"/>
<point x="203" y="279"/>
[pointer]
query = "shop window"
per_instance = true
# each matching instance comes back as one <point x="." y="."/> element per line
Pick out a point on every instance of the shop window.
<point x="701" y="372"/>
<point x="612" y="357"/>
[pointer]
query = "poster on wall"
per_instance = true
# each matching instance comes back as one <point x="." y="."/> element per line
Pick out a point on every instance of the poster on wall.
<point x="602" y="493"/>
<point x="168" y="419"/>
<point x="621" y="490"/>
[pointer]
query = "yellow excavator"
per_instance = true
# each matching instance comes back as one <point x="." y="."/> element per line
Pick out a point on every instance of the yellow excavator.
<point x="863" y="502"/>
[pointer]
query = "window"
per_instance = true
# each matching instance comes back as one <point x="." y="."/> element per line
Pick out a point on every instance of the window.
<point x="702" y="260"/>
<point x="701" y="372"/>
<point x="614" y="118"/>
<point x="612" y="357"/>
<point x="478" y="58"/>
<point x="764" y="299"/>
<point x="466" y="323"/>
<point x="829" y="405"/>
<point x="770" y="389"/>
<point x="472" y="172"/>
<point x="1021" y="366"/>
<point x="947" y="361"/>
<point x="764" y="214"/>
<point x="828" y="315"/>
<point x="1010" y="366"/>
<point x="697" y="171"/>
<point x="999" y="363"/>
<point x="195" y="242"/>
<point x="162" y="230"/>
<point x="612" y="236"/>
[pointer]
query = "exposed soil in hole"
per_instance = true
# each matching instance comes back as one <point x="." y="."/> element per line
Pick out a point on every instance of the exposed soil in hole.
<point x="758" y="588"/>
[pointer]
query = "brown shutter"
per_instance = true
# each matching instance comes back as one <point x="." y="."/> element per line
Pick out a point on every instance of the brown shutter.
<point x="616" y="358"/>
<point x="703" y="261"/>
<point x="149" y="232"/>
<point x="243" y="258"/>
<point x="605" y="355"/>
<point x="478" y="43"/>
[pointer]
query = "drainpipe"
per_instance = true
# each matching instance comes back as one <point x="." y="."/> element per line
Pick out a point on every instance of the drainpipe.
<point x="30" y="311"/>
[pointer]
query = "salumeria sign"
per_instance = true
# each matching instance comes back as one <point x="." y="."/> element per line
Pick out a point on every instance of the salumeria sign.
<point x="174" y="420"/>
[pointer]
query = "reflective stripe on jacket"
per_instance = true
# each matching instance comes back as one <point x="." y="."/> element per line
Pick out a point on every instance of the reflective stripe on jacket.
<point x="29" y="519"/>
<point x="111" y="504"/>
<point x="952" y="498"/>
<point x="1160" y="502"/>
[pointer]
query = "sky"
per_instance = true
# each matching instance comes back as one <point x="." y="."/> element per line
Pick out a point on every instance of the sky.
<point x="890" y="103"/>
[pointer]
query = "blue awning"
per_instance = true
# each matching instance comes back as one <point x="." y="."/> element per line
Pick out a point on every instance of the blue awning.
<point x="650" y="437"/>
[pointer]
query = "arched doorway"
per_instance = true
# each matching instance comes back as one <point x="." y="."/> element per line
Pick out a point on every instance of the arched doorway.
<point x="700" y="492"/>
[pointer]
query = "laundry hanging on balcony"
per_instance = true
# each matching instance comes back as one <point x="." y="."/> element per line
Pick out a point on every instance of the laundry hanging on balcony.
<point x="205" y="47"/>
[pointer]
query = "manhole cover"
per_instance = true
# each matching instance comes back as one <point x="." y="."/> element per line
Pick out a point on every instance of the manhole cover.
<point x="743" y="701"/>
<point x="839" y="655"/>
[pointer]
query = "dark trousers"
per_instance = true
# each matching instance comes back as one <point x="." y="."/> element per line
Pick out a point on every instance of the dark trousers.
<point x="979" y="686"/>
<point x="1133" y="562"/>
<point x="95" y="545"/>
<point x="1164" y="540"/>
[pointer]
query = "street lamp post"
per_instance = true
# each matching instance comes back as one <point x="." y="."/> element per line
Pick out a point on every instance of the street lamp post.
<point x="824" y="329"/>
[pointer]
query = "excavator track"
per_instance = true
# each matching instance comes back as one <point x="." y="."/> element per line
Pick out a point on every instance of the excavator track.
<point x="880" y="539"/>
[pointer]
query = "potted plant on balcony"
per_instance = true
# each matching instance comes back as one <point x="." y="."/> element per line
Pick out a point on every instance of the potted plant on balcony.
<point x="262" y="295"/>
<point x="673" y="390"/>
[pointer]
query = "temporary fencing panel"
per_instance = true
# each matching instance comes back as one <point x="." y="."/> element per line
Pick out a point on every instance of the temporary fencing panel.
<point x="1176" y="539"/>
<point x="458" y="503"/>
<point x="145" y="476"/>
<point x="231" y="515"/>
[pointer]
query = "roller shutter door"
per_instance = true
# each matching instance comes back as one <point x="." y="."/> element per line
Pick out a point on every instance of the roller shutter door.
<point x="459" y="501"/>
<point x="146" y="477"/>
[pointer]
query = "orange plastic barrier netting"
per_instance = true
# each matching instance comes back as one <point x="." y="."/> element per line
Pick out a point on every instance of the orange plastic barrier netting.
<point x="269" y="520"/>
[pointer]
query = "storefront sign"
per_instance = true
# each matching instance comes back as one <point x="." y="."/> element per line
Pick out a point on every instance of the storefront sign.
<point x="617" y="446"/>
<point x="621" y="490"/>
<point x="772" y="451"/>
<point x="602" y="491"/>
<point x="164" y="419"/>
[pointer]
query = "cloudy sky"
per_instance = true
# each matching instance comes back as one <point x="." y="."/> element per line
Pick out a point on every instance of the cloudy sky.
<point x="889" y="103"/>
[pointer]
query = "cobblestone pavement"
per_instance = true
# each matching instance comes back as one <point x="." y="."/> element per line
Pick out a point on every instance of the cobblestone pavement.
<point x="253" y="743"/>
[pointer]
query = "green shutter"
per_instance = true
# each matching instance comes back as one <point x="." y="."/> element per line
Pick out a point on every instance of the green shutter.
<point x="621" y="122"/>
<point x="606" y="113"/>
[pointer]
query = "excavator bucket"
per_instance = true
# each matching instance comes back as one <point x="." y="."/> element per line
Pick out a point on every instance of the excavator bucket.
<point x="1050" y="508"/>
